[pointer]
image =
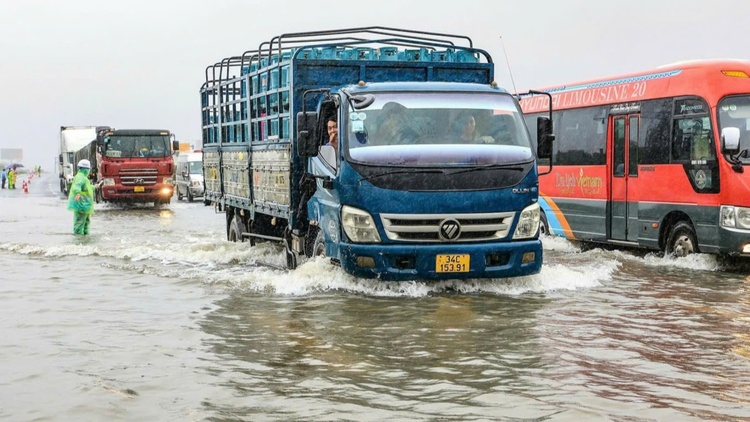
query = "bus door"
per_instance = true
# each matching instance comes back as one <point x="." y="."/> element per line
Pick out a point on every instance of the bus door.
<point x="623" y="216"/>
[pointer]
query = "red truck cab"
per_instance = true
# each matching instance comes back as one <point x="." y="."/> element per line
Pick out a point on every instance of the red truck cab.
<point x="135" y="166"/>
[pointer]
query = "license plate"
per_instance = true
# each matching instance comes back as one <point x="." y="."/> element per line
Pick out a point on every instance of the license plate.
<point x="139" y="189"/>
<point x="454" y="263"/>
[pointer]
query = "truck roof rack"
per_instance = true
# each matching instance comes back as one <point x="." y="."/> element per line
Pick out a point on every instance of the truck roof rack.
<point x="363" y="43"/>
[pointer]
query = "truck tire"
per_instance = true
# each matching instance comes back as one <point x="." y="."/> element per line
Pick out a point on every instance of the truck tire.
<point x="190" y="195"/>
<point x="319" y="245"/>
<point x="179" y="194"/>
<point x="291" y="256"/>
<point x="234" y="233"/>
<point x="682" y="240"/>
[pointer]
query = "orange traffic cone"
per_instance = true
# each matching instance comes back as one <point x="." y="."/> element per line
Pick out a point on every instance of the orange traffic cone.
<point x="25" y="187"/>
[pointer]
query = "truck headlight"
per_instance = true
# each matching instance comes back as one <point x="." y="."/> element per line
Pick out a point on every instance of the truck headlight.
<point x="196" y="184"/>
<point x="528" y="222"/>
<point x="359" y="225"/>
<point x="734" y="217"/>
<point x="168" y="181"/>
<point x="108" y="182"/>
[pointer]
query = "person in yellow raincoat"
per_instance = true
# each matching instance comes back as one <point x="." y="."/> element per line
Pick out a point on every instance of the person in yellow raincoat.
<point x="81" y="198"/>
<point x="12" y="178"/>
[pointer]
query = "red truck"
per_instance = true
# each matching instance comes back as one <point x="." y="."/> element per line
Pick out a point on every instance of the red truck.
<point x="133" y="165"/>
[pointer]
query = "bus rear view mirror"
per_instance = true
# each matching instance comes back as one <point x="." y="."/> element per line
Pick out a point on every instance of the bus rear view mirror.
<point x="307" y="140"/>
<point x="544" y="137"/>
<point x="730" y="140"/>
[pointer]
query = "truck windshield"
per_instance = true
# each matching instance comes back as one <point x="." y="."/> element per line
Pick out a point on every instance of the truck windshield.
<point x="735" y="112"/>
<point x="438" y="129"/>
<point x="137" y="146"/>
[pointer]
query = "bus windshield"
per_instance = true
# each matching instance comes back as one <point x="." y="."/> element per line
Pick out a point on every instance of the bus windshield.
<point x="735" y="112"/>
<point x="137" y="146"/>
<point x="438" y="129"/>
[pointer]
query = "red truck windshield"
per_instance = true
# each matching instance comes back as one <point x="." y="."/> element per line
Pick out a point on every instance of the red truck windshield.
<point x="137" y="146"/>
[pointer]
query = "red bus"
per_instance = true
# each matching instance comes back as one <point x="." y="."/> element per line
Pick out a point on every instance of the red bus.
<point x="654" y="159"/>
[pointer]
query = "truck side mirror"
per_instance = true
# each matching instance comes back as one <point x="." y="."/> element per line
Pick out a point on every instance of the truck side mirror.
<point x="307" y="135"/>
<point x="544" y="137"/>
<point x="175" y="145"/>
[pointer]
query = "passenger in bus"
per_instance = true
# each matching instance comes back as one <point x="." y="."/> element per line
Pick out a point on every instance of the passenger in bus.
<point x="701" y="142"/>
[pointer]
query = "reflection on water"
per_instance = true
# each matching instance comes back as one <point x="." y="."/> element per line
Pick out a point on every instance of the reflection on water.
<point x="376" y="355"/>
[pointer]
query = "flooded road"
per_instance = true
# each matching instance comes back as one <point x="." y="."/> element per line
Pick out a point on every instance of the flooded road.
<point x="155" y="316"/>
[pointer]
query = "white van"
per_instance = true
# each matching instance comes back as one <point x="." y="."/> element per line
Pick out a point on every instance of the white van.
<point x="189" y="175"/>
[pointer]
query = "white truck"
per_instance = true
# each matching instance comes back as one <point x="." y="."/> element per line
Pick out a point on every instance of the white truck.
<point x="189" y="175"/>
<point x="72" y="138"/>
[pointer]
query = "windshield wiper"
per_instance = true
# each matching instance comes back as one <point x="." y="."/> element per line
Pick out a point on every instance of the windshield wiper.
<point x="514" y="167"/>
<point x="409" y="171"/>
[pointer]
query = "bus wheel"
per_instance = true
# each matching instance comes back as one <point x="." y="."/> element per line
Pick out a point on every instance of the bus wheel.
<point x="682" y="240"/>
<point x="543" y="225"/>
<point x="234" y="234"/>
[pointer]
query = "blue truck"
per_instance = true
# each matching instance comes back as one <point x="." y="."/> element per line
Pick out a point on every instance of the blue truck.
<point x="390" y="151"/>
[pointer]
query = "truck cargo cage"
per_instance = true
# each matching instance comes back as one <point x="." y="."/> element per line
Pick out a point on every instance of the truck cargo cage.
<point x="248" y="101"/>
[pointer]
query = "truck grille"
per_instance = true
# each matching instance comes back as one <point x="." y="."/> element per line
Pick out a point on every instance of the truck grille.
<point x="140" y="177"/>
<point x="447" y="227"/>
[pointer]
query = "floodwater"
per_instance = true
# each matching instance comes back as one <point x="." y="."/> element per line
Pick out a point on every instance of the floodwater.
<point x="156" y="317"/>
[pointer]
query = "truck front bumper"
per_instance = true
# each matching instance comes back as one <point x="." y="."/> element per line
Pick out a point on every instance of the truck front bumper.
<point x="419" y="262"/>
<point x="134" y="194"/>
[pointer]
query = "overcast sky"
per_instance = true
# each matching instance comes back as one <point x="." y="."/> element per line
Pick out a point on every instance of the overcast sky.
<point x="140" y="63"/>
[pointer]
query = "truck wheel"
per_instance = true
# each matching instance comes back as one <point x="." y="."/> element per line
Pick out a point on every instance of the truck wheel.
<point x="234" y="234"/>
<point x="319" y="245"/>
<point x="179" y="194"/>
<point x="291" y="256"/>
<point x="682" y="240"/>
<point x="190" y="195"/>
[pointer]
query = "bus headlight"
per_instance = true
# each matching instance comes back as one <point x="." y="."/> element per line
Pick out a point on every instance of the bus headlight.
<point x="528" y="222"/>
<point x="359" y="225"/>
<point x="734" y="217"/>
